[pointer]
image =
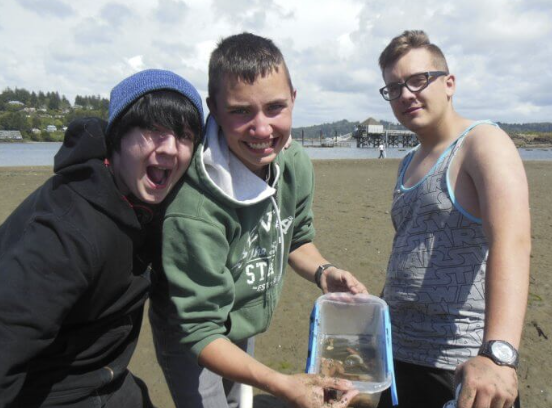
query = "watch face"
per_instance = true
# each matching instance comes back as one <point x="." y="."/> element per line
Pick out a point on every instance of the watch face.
<point x="503" y="352"/>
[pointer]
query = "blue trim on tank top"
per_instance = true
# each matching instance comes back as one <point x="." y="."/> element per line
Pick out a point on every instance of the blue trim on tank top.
<point x="452" y="196"/>
<point x="429" y="173"/>
<point x="439" y="160"/>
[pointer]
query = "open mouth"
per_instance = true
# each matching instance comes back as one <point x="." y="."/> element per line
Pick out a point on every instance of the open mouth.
<point x="158" y="175"/>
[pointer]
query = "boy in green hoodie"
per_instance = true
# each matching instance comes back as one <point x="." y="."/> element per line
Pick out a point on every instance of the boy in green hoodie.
<point x="243" y="212"/>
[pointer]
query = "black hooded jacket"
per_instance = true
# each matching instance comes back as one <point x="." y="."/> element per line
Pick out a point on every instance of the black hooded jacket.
<point x="73" y="280"/>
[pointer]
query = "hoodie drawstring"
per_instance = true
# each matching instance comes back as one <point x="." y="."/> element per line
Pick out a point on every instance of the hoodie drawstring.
<point x="281" y="242"/>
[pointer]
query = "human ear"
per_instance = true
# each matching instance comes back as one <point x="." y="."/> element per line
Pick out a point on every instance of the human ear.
<point x="450" y="85"/>
<point x="212" y="107"/>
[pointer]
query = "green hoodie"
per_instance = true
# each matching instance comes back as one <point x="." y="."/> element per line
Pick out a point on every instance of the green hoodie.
<point x="223" y="256"/>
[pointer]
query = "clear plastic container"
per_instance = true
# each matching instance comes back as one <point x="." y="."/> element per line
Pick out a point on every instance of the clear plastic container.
<point x="350" y="337"/>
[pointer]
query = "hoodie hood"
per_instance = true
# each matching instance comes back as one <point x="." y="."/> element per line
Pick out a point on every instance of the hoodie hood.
<point x="226" y="176"/>
<point x="81" y="161"/>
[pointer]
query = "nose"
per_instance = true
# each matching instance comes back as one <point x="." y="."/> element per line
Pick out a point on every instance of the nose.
<point x="260" y="126"/>
<point x="167" y="144"/>
<point x="406" y="94"/>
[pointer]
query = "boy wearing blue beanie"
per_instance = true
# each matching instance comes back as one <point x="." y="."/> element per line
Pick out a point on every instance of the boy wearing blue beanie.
<point x="242" y="214"/>
<point x="73" y="259"/>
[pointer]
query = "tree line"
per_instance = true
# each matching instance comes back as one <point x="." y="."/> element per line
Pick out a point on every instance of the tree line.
<point x="32" y="112"/>
<point x="51" y="108"/>
<point x="344" y="127"/>
<point x="49" y="100"/>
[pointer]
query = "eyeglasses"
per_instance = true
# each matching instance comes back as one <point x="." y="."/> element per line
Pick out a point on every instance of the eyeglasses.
<point x="414" y="83"/>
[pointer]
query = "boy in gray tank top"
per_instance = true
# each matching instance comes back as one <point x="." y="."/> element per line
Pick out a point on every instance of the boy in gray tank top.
<point x="458" y="274"/>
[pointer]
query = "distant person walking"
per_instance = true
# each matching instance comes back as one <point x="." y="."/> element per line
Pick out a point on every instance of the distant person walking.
<point x="382" y="151"/>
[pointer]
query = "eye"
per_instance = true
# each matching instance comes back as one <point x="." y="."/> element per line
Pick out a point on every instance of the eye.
<point x="417" y="81"/>
<point x="393" y="88"/>
<point x="187" y="135"/>
<point x="275" y="107"/>
<point x="238" y="111"/>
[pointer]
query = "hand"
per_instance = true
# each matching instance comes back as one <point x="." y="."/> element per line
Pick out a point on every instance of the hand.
<point x="314" y="391"/>
<point x="486" y="384"/>
<point x="337" y="280"/>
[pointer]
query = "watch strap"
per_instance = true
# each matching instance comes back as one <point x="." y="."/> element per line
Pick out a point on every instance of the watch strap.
<point x="318" y="274"/>
<point x="486" y="351"/>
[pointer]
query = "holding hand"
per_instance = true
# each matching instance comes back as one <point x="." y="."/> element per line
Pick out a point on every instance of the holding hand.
<point x="486" y="384"/>
<point x="333" y="279"/>
<point x="308" y="391"/>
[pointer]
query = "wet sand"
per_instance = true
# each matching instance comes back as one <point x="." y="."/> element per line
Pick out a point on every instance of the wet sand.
<point x="354" y="231"/>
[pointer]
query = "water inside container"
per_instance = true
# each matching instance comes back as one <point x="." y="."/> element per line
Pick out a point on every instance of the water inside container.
<point x="349" y="339"/>
<point x="356" y="358"/>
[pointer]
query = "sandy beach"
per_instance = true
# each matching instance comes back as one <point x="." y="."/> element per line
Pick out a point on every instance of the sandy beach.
<point x="354" y="231"/>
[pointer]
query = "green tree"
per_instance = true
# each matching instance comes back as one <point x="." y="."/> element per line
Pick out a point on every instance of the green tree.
<point x="33" y="101"/>
<point x="36" y="122"/>
<point x="14" y="121"/>
<point x="65" y="104"/>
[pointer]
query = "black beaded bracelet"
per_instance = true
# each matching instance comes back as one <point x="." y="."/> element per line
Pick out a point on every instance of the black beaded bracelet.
<point x="318" y="273"/>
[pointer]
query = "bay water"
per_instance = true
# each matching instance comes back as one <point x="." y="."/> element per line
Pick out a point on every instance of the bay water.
<point x="42" y="154"/>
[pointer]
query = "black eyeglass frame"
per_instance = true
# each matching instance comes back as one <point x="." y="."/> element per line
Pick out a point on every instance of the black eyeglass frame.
<point x="429" y="75"/>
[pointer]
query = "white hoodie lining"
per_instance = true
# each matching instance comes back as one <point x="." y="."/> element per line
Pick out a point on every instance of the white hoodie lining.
<point x="228" y="174"/>
<point x="232" y="179"/>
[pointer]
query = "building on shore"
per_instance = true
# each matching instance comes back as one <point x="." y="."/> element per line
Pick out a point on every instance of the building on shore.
<point x="11" y="135"/>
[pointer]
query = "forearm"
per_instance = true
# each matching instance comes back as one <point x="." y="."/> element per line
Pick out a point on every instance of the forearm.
<point x="506" y="290"/>
<point x="299" y="390"/>
<point x="229" y="361"/>
<point x="305" y="260"/>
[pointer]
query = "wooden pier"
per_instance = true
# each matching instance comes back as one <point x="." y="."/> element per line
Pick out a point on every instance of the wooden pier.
<point x="324" y="141"/>
<point x="390" y="138"/>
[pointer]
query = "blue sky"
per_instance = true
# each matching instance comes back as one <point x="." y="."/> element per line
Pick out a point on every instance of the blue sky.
<point x="499" y="50"/>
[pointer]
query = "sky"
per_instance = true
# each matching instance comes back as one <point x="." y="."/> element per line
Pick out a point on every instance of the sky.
<point x="500" y="51"/>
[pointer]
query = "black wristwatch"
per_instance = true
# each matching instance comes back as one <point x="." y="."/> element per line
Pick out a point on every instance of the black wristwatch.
<point x="318" y="274"/>
<point x="501" y="352"/>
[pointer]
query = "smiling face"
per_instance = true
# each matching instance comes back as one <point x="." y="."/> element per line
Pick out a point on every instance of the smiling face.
<point x="255" y="118"/>
<point x="420" y="111"/>
<point x="149" y="163"/>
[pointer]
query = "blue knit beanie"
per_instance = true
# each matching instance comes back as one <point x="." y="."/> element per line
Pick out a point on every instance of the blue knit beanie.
<point x="132" y="88"/>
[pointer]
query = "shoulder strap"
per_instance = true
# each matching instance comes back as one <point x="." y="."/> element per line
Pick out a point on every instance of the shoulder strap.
<point x="458" y="142"/>
<point x="461" y="138"/>
<point x="404" y="165"/>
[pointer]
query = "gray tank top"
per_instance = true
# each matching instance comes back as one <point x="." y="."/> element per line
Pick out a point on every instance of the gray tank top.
<point x="435" y="284"/>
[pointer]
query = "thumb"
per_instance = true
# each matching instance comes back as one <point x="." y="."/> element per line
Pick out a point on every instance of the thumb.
<point x="344" y="401"/>
<point x="335" y="383"/>
<point x="458" y="375"/>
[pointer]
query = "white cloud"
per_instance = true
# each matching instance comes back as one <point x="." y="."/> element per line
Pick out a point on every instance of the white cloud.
<point x="136" y="63"/>
<point x="499" y="50"/>
<point x="115" y="14"/>
<point x="171" y="11"/>
<point x="250" y="14"/>
<point x="55" y="8"/>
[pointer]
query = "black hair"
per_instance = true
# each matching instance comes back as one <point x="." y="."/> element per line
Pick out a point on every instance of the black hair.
<point x="165" y="108"/>
<point x="244" y="56"/>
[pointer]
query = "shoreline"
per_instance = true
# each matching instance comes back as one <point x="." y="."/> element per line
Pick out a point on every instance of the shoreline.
<point x="519" y="146"/>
